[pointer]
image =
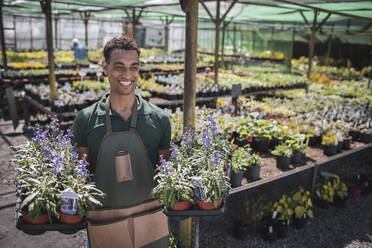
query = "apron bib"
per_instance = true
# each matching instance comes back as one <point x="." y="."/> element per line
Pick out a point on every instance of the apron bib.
<point x="129" y="217"/>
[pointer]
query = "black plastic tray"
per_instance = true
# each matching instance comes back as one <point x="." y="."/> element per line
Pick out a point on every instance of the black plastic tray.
<point x="37" y="229"/>
<point x="194" y="211"/>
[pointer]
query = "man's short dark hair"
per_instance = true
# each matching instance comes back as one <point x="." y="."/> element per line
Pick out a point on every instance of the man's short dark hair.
<point x="123" y="42"/>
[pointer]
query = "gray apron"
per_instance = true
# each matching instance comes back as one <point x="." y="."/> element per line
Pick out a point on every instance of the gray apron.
<point x="129" y="217"/>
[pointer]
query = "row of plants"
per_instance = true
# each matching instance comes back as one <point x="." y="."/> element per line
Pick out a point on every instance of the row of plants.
<point x="273" y="220"/>
<point x="324" y="74"/>
<point x="53" y="184"/>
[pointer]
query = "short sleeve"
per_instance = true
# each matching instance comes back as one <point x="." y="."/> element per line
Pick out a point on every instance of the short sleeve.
<point x="78" y="129"/>
<point x="166" y="133"/>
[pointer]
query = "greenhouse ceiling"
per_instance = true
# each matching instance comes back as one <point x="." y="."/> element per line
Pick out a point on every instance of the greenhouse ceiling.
<point x="348" y="18"/>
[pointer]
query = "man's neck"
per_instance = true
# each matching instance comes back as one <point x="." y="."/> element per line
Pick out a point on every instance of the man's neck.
<point x="122" y="104"/>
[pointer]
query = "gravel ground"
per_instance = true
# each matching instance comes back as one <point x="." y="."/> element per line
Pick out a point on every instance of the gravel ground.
<point x="350" y="227"/>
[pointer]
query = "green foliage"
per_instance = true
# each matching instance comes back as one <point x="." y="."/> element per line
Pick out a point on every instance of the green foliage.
<point x="283" y="150"/>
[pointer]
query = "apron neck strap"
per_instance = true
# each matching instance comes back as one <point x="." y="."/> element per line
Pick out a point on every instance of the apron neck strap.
<point x="133" y="122"/>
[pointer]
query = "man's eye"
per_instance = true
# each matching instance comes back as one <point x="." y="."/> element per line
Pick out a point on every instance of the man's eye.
<point x="134" y="68"/>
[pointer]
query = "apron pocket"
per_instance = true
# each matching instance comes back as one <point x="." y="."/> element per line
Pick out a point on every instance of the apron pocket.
<point x="149" y="228"/>
<point x="118" y="234"/>
<point x="123" y="166"/>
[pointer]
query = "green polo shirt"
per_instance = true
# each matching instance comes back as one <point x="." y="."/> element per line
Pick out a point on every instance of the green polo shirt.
<point x="153" y="126"/>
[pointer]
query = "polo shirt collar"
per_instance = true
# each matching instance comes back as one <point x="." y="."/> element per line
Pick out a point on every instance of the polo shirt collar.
<point x="102" y="103"/>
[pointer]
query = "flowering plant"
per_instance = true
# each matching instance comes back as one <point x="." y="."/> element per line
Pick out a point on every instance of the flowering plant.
<point x="195" y="167"/>
<point x="47" y="166"/>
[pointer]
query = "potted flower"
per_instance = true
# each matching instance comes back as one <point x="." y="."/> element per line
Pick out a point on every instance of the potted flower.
<point x="252" y="172"/>
<point x="302" y="207"/>
<point x="174" y="188"/>
<point x="239" y="161"/>
<point x="298" y="143"/>
<point x="283" y="153"/>
<point x="330" y="143"/>
<point x="284" y="214"/>
<point x="47" y="166"/>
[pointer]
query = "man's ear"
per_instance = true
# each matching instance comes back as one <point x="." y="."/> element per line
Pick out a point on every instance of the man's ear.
<point x="104" y="67"/>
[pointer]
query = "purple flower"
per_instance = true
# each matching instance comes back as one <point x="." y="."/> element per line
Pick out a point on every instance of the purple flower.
<point x="206" y="140"/>
<point x="163" y="165"/>
<point x="58" y="164"/>
<point x="216" y="158"/>
<point x="82" y="168"/>
<point x="174" y="152"/>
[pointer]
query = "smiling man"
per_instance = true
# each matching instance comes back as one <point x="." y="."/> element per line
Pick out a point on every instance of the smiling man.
<point x="123" y="137"/>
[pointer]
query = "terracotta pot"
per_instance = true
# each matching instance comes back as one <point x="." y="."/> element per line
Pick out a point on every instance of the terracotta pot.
<point x="181" y="205"/>
<point x="69" y="219"/>
<point x="207" y="205"/>
<point x="42" y="219"/>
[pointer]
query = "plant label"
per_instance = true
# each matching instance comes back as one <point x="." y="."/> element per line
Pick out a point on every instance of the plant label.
<point x="236" y="90"/>
<point x="271" y="229"/>
<point x="318" y="194"/>
<point x="275" y="214"/>
<point x="69" y="203"/>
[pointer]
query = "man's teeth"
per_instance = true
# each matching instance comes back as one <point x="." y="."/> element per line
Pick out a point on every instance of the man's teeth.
<point x="125" y="83"/>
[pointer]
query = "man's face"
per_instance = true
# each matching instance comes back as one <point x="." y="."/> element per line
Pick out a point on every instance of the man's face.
<point x="122" y="71"/>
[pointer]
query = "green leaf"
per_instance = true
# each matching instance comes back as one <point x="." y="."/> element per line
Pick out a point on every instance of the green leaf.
<point x="28" y="199"/>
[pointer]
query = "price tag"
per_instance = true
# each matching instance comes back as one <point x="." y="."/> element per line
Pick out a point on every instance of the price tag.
<point x="236" y="90"/>
<point x="69" y="203"/>
<point x="318" y="194"/>
<point x="275" y="214"/>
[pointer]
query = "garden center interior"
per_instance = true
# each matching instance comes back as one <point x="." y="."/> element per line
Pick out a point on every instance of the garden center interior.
<point x="269" y="101"/>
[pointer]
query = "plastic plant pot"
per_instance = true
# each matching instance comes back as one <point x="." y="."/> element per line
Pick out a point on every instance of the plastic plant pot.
<point x="236" y="179"/>
<point x="253" y="173"/>
<point x="346" y="144"/>
<point x="262" y="145"/>
<point x="366" y="137"/>
<point x="207" y="205"/>
<point x="297" y="157"/>
<point x="69" y="219"/>
<point x="299" y="223"/>
<point x="330" y="150"/>
<point x="181" y="205"/>
<point x="283" y="162"/>
<point x="42" y="219"/>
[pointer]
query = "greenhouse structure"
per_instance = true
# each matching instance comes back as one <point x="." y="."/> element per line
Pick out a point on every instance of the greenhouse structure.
<point x="186" y="123"/>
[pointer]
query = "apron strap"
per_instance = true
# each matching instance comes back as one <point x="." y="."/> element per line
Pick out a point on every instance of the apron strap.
<point x="133" y="122"/>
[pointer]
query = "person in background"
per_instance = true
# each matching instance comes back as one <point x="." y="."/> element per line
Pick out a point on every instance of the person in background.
<point x="80" y="51"/>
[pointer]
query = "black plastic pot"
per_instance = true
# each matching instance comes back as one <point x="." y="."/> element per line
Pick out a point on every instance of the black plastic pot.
<point x="297" y="157"/>
<point x="355" y="135"/>
<point x="253" y="173"/>
<point x="236" y="179"/>
<point x="267" y="235"/>
<point x="346" y="144"/>
<point x="261" y="145"/>
<point x="330" y="150"/>
<point x="299" y="223"/>
<point x="339" y="146"/>
<point x="366" y="137"/>
<point x="283" y="162"/>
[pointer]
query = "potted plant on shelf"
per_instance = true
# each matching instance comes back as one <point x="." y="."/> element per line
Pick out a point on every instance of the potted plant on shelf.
<point x="284" y="216"/>
<point x="239" y="161"/>
<point x="299" y="145"/>
<point x="330" y="143"/>
<point x="47" y="166"/>
<point x="283" y="153"/>
<point x="302" y="207"/>
<point x="252" y="172"/>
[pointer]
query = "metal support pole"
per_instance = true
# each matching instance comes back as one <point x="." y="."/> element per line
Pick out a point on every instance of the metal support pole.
<point x="2" y="38"/>
<point x="56" y="31"/>
<point x="329" y="47"/>
<point x="311" y="44"/>
<point x="234" y="39"/>
<point x="15" y="32"/>
<point x="292" y="46"/>
<point x="47" y="9"/>
<point x="31" y="39"/>
<point x="217" y="43"/>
